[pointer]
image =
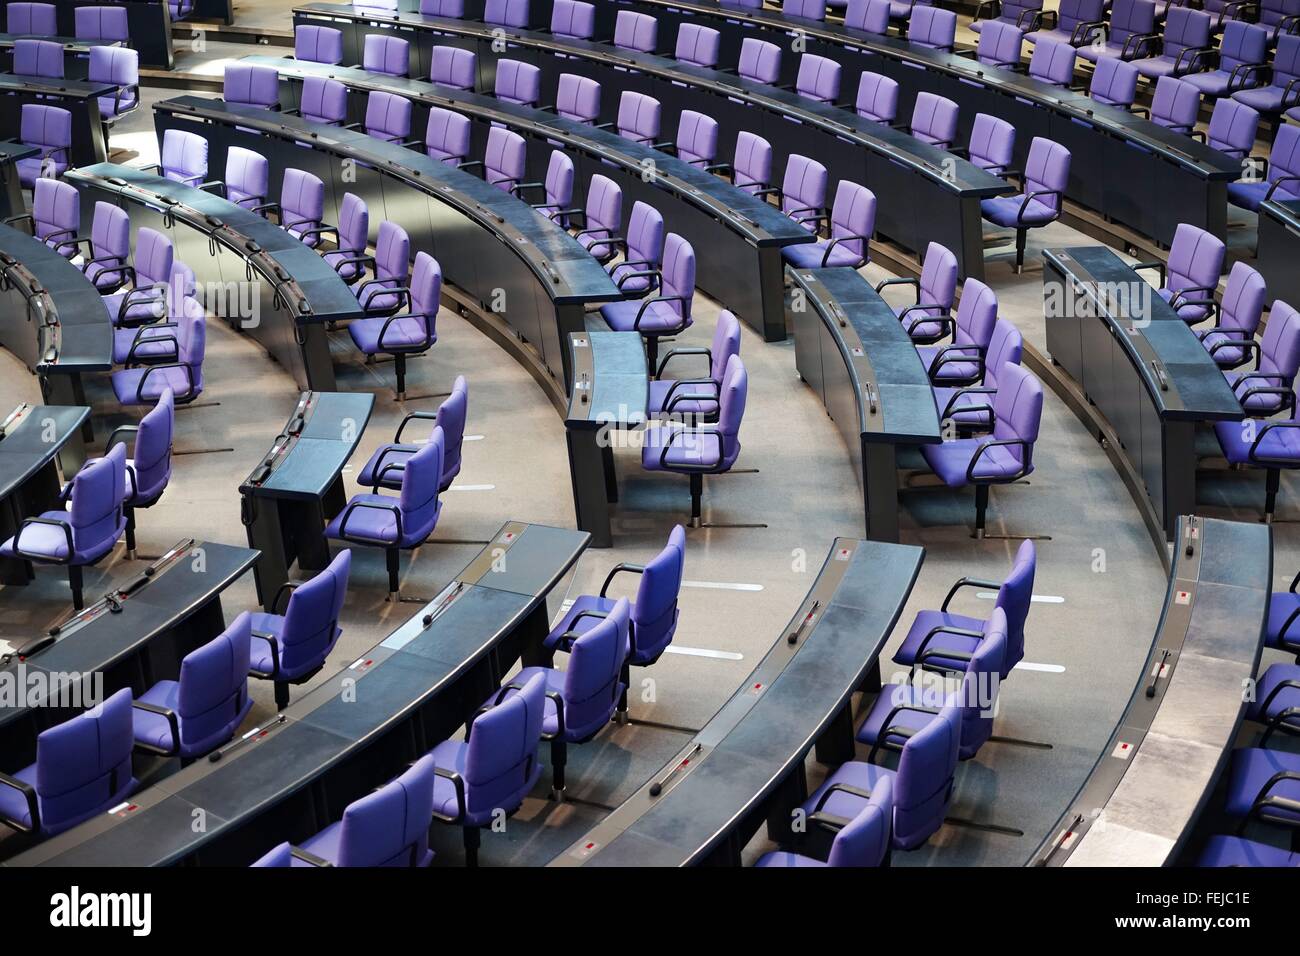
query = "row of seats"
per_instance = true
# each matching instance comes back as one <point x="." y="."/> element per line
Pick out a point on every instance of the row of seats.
<point x="117" y="66"/>
<point x="106" y="23"/>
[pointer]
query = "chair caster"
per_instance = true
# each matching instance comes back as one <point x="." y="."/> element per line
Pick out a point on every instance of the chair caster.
<point x="557" y="794"/>
<point x="621" y="717"/>
<point x="695" y="522"/>
<point x="401" y="396"/>
<point x="130" y="554"/>
<point x="393" y="598"/>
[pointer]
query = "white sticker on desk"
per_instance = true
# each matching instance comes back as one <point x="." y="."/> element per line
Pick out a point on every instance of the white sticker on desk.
<point x="857" y="351"/>
<point x="1183" y="597"/>
<point x="756" y="689"/>
<point x="508" y="536"/>
<point x="1159" y="671"/>
<point x="843" y="554"/>
<point x="1123" y="750"/>
<point x="579" y="343"/>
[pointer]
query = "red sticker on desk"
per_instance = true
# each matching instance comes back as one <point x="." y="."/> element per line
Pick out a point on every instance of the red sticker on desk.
<point x="1183" y="597"/>
<point x="584" y="850"/>
<point x="842" y="554"/>
<point x="757" y="689"/>
<point x="1122" y="750"/>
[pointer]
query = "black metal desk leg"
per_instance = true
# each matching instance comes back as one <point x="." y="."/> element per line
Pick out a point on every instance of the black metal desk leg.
<point x="880" y="490"/>
<point x="587" y="474"/>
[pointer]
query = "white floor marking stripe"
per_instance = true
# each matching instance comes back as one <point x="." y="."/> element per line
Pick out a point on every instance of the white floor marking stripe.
<point x="1044" y="668"/>
<point x="1040" y="598"/>
<point x="704" y="652"/>
<point x="471" y="487"/>
<point x="722" y="585"/>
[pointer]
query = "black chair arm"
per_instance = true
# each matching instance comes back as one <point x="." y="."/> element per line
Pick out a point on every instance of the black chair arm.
<point x="173" y="727"/>
<point x="458" y="782"/>
<point x="33" y="804"/>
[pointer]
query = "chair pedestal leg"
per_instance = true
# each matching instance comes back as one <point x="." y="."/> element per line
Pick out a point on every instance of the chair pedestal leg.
<point x="473" y="837"/>
<point x="76" y="581"/>
<point x="620" y="712"/>
<point x="392" y="558"/>
<point x="559" y="757"/>
<point x="281" y="694"/>
<point x="652" y="351"/>
<point x="981" y="506"/>
<point x="1021" y="235"/>
<point x="130" y="533"/>
<point x="1272" y="479"/>
<point x="697" y="492"/>
<point x="399" y="365"/>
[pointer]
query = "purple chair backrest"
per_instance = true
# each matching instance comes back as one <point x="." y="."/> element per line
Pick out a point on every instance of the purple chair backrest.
<point x="1243" y="300"/>
<point x="1185" y="29"/>
<point x="48" y="128"/>
<point x="591" y="685"/>
<point x="752" y="168"/>
<point x="98" y="493"/>
<point x="853" y="214"/>
<point x="1275" y="12"/>
<point x="1074" y="12"/>
<point x="877" y="98"/>
<point x="698" y="45"/>
<point x="311" y="619"/>
<point x="604" y="206"/>
<point x="110" y="233"/>
<point x="1017" y="411"/>
<point x="578" y="98"/>
<point x="426" y="288"/>
<point x="1195" y="261"/>
<point x="386" y="54"/>
<point x="1233" y="127"/>
<point x="808" y="9"/>
<point x="645" y="235"/>
<point x="864" y="840"/>
<point x="1016" y="592"/>
<point x="56" y="214"/>
<point x="731" y="410"/>
<point x="504" y="158"/>
<point x="83" y="762"/>
<point x="446" y="136"/>
<point x="1286" y="59"/>
<point x="1017" y="12"/>
<point x="976" y="315"/>
<point x="302" y="199"/>
<point x="452" y="411"/>
<point x="638" y="32"/>
<point x="248" y="177"/>
<point x="979" y="687"/>
<point x="760" y="61"/>
<point x="506" y="13"/>
<point x="999" y="44"/>
<point x="1052" y="62"/>
<point x="1175" y="104"/>
<point x="214" y="686"/>
<point x="1242" y="44"/>
<point x="1130" y="18"/>
<point x="193" y="337"/>
<point x="453" y="67"/>
<point x="151" y="457"/>
<point x="870" y="16"/>
<point x="154" y="256"/>
<point x="502" y="750"/>
<point x="1047" y="170"/>
<point x="726" y="343"/>
<point x="923" y="783"/>
<point x="654" y="614"/>
<point x="638" y="117"/>
<point x="389" y="826"/>
<point x="388" y="116"/>
<point x="33" y="19"/>
<point x="1114" y="82"/>
<point x="251" y="85"/>
<point x="117" y="66"/>
<point x="572" y="18"/>
<point x="992" y="143"/>
<point x="932" y="27"/>
<point x="516" y="82"/>
<point x="392" y="253"/>
<point x="42" y="58"/>
<point x="697" y="138"/>
<point x="184" y="157"/>
<point x="451" y="9"/>
<point x="818" y="79"/>
<point x="1279" y="350"/>
<point x="1006" y="346"/>
<point x="679" y="274"/>
<point x="803" y="189"/>
<point x="938" y="279"/>
<point x="318" y="44"/>
<point x="934" y="119"/>
<point x="421" y="482"/>
<point x="324" y="100"/>
<point x="101" y="23"/>
<point x="1284" y="163"/>
<point x="559" y="184"/>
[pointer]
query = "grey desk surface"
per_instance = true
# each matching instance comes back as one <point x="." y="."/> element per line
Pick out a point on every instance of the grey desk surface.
<point x="27" y="443"/>
<point x="308" y="455"/>
<point x="611" y="381"/>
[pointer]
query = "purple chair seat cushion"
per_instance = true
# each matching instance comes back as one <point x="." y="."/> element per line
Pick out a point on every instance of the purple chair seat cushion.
<point x="453" y="755"/>
<point x="13" y="805"/>
<point x="1060" y="36"/>
<point x="944" y="395"/>
<point x="162" y="349"/>
<point x="594" y="245"/>
<point x="1262" y="99"/>
<point x="891" y="696"/>
<point x="951" y="459"/>
<point x="809" y="255"/>
<point x="1226" y="357"/>
<point x="925" y="622"/>
<point x="1277" y="442"/>
<point x="127" y="382"/>
<point x="384" y="456"/>
<point x="555" y="685"/>
<point x="378" y="524"/>
<point x="1281" y="606"/>
<point x="1236" y="851"/>
<point x="1214" y="83"/>
<point x="780" y="858"/>
<point x="696" y="451"/>
<point x="142" y="309"/>
<point x="1287" y="699"/>
<point x="633" y="284"/>
<point x="1251" y="769"/>
<point x="952" y="371"/>
<point x="326" y="845"/>
<point x="1154" y="67"/>
<point x="47" y="540"/>
<point x="101" y="274"/>
<point x="259" y="657"/>
<point x="1249" y="195"/>
<point x="584" y="602"/>
<point x="1266" y="404"/>
<point x="694" y="407"/>
<point x="403" y="332"/>
<point x="348" y="271"/>
<point x="1005" y="211"/>
<point x="856" y="774"/>
<point x="658" y="317"/>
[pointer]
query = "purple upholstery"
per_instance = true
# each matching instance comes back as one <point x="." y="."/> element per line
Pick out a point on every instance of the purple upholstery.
<point x="1282" y="17"/>
<point x="349" y="258"/>
<point x="1281" y="180"/>
<point x="453" y="67"/>
<point x="862" y="842"/>
<point x="696" y="398"/>
<point x="635" y="31"/>
<point x="1047" y="172"/>
<point x="1225" y="11"/>
<point x="927" y="319"/>
<point x="992" y="144"/>
<point x="1071" y="23"/>
<point x="324" y="100"/>
<point x="1241" y="61"/>
<point x="147" y="385"/>
<point x="713" y="449"/>
<point x="101" y="23"/>
<point x="962" y="361"/>
<point x="386" y="54"/>
<point x="247" y="177"/>
<point x="667" y="313"/>
<point x="1052" y="62"/>
<point x="152" y="271"/>
<point x="877" y="98"/>
<point x="49" y="129"/>
<point x="1282" y="629"/>
<point x="999" y="44"/>
<point x="1237" y="317"/>
<point x="388" y="117"/>
<point x="119" y="66"/>
<point x="56" y="215"/>
<point x="517" y="82"/>
<point x="852" y="222"/>
<point x="808" y="9"/>
<point x="1232" y="128"/>
<point x="180" y="9"/>
<point x="317" y="44"/>
<point x="82" y="769"/>
<point x="302" y="206"/>
<point x="1017" y="14"/>
<point x="184" y="157"/>
<point x="446" y="136"/>
<point x="557" y="188"/>
<point x="110" y="245"/>
<point x="506" y="13"/>
<point x="697" y="45"/>
<point x="407" y="334"/>
<point x="1130" y="21"/>
<point x="1265" y="389"/>
<point x="289" y="648"/>
<point x="1271" y="443"/>
<point x="751" y="169"/>
<point x="934" y="120"/>
<point x="602" y="217"/>
<point x="1175" y="105"/>
<point x="818" y="78"/>
<point x="638" y="272"/>
<point x="451" y="9"/>
<point x="1257" y="773"/>
<point x="803" y="192"/>
<point x="1186" y="31"/>
<point x="385" y="467"/>
<point x="38" y="58"/>
<point x="1192" y="275"/>
<point x="1283" y="88"/>
<point x="385" y="292"/>
<point x="760" y="61"/>
<point x="251" y="85"/>
<point x="32" y="19"/>
<point x="970" y="407"/>
<point x="1114" y="82"/>
<point x="931" y="27"/>
<point x="1277" y="698"/>
<point x="869" y="16"/>
<point x="697" y="139"/>
<point x="504" y="158"/>
<point x="149" y="469"/>
<point x="1238" y="851"/>
<point x="638" y="117"/>
<point x="573" y="18"/>
<point x="577" y="98"/>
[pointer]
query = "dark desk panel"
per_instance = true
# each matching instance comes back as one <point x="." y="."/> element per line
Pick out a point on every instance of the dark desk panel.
<point x="924" y="194"/>
<point x="1279" y="249"/>
<point x="354" y="732"/>
<point x="854" y="353"/>
<point x="282" y="294"/>
<point x="162" y="615"/>
<point x="746" y="766"/>
<point x="737" y="238"/>
<point x="537" y="294"/>
<point x="297" y="488"/>
<point x="1142" y="798"/>
<point x="79" y="97"/>
<point x="148" y="23"/>
<point x="12" y="202"/>
<point x="1139" y="363"/>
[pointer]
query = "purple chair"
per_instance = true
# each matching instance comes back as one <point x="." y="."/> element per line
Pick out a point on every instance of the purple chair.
<point x="1277" y="700"/>
<point x="349" y="258"/>
<point x="86" y="530"/>
<point x="860" y="841"/>
<point x="1019" y="15"/>
<point x="450" y="9"/>
<point x="807" y="9"/>
<point x="992" y="144"/>
<point x="1052" y="63"/>
<point x="1184" y="46"/>
<point x="517" y="82"/>
<point x="180" y="9"/>
<point x="970" y="407"/>
<point x="577" y="98"/>
<point x="962" y="361"/>
<point x="581" y="699"/>
<point x="251" y="85"/>
<point x="1242" y="52"/>
<point x="760" y="61"/>
<point x="1076" y="22"/>
<point x="324" y="100"/>
<point x="1283" y="88"/>
<point x="194" y="715"/>
<point x="1238" y="851"/>
<point x="696" y="450"/>
<point x="1192" y="273"/>
<point x="1175" y="105"/>
<point x="55" y="218"/>
<point x="999" y="44"/>
<point x="635" y="31"/>
<point x="1281" y="630"/>
<point x="601" y="219"/>
<point x="453" y="67"/>
<point x="1114" y="82"/>
<point x="1225" y="11"/>
<point x="638" y="272"/>
<point x="119" y="67"/>
<point x="248" y="178"/>
<point x="1232" y="129"/>
<point x="928" y="319"/>
<point x="146" y="385"/>
<point x="396" y="523"/>
<point x="388" y="118"/>
<point x="697" y="45"/>
<point x="1272" y="444"/>
<point x="803" y="192"/>
<point x="387" y="827"/>
<point x="1264" y="786"/>
<point x="1047" y="172"/>
<point x="446" y="136"/>
<point x="1268" y="389"/>
<point x="386" y="291"/>
<point x="386" y="54"/>
<point x="149" y="468"/>
<point x="669" y="312"/>
<point x="503" y="159"/>
<point x="934" y="120"/>
<point x="1007" y="455"/>
<point x="931" y="27"/>
<point x="385" y="467"/>
<point x="82" y="769"/>
<point x="697" y="140"/>
<point x="1131" y="32"/>
<point x="290" y="647"/>
<point x="506" y="13"/>
<point x="1281" y="17"/>
<point x="869" y="16"/>
<point x="101" y="23"/>
<point x="696" y="399"/>
<point x="317" y="44"/>
<point x="751" y="168"/>
<point x="301" y="209"/>
<point x="638" y="117"/>
<point x="48" y="129"/>
<point x="818" y="78"/>
<point x="184" y="157"/>
<point x="852" y="223"/>
<point x="38" y="58"/>
<point x="877" y="98"/>
<point x="922" y="783"/>
<point x="1281" y="179"/>
<point x="572" y="18"/>
<point x="32" y="19"/>
<point x="145" y="302"/>
<point x="400" y="335"/>
<point x="557" y="190"/>
<point x="1236" y="319"/>
<point x="495" y="767"/>
<point x="108" y="247"/>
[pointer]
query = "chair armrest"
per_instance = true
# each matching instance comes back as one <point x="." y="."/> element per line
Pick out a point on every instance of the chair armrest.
<point x="682" y="350"/>
<point x="33" y="804"/>
<point x="967" y="582"/>
<point x="52" y="522"/>
<point x="620" y="568"/>
<point x="298" y="853"/>
<point x="458" y="782"/>
<point x="1158" y="266"/>
<point x="412" y="416"/>
<point x="173" y="726"/>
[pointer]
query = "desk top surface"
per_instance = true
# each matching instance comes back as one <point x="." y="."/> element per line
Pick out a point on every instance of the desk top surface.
<point x="311" y="450"/>
<point x="31" y="436"/>
<point x="610" y="380"/>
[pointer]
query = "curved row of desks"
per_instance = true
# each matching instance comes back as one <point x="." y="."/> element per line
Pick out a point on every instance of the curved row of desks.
<point x="537" y="294"/>
<point x="737" y="238"/>
<point x="1140" y="802"/>
<point x="925" y="194"/>
<point x="291" y="777"/>
<point x="746" y="766"/>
